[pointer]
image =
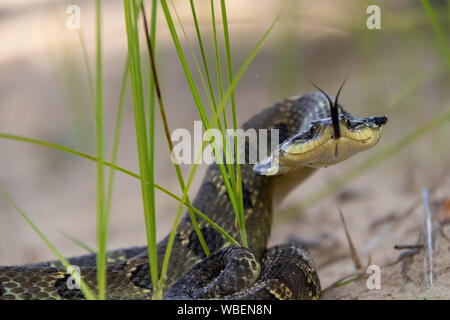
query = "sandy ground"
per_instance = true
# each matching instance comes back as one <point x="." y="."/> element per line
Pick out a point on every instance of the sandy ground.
<point x="44" y="94"/>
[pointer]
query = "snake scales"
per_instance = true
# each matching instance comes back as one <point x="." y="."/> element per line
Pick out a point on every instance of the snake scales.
<point x="313" y="132"/>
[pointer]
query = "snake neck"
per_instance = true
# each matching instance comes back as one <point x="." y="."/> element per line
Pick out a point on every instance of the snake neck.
<point x="283" y="185"/>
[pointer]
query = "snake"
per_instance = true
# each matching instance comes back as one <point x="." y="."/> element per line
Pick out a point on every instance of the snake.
<point x="314" y="131"/>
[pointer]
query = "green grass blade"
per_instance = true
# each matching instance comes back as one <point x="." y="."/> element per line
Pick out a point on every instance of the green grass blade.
<point x="65" y="149"/>
<point x="115" y="167"/>
<point x="233" y="192"/>
<point x="190" y="81"/>
<point x="79" y="243"/>
<point x="213" y="105"/>
<point x="176" y="221"/>
<point x="238" y="183"/>
<point x="202" y="51"/>
<point x="196" y="95"/>
<point x="184" y="64"/>
<point x="240" y="73"/>
<point x="101" y="235"/>
<point x="442" y="42"/>
<point x="231" y="184"/>
<point x="227" y="94"/>
<point x="117" y="129"/>
<point x="152" y="89"/>
<point x="146" y="168"/>
<point x="92" y="158"/>
<point x="197" y="65"/>
<point x="216" y="51"/>
<point x="167" y="133"/>
<point x="84" y="288"/>
<point x="86" y="62"/>
<point x="226" y="37"/>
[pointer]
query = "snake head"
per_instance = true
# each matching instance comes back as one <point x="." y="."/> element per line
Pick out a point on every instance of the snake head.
<point x="318" y="146"/>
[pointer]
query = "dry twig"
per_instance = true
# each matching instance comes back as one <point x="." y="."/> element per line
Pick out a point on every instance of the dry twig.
<point x="354" y="253"/>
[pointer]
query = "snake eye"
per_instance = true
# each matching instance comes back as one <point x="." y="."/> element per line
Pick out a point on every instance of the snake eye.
<point x="314" y="128"/>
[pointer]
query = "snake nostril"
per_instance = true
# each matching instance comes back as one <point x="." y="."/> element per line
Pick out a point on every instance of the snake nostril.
<point x="380" y="121"/>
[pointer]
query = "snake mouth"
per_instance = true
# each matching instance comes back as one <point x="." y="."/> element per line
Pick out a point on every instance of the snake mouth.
<point x="321" y="145"/>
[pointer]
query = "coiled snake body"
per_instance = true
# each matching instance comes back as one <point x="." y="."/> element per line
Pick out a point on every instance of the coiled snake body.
<point x="312" y="133"/>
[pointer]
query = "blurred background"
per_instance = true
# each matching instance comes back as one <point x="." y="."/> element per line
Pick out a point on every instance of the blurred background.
<point x="398" y="71"/>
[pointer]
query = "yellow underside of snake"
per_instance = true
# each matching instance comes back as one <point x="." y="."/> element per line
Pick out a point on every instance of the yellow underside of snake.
<point x="313" y="132"/>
